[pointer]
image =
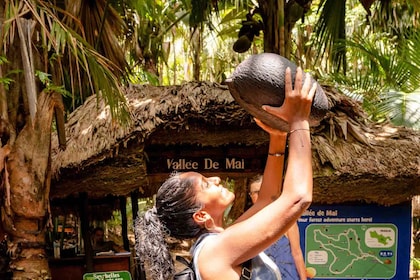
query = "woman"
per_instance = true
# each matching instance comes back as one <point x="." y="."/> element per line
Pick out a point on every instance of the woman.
<point x="189" y="205"/>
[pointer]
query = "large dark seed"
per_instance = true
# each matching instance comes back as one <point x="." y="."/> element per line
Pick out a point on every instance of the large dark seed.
<point x="259" y="80"/>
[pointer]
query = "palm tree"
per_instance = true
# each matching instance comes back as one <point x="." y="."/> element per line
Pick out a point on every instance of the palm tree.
<point x="49" y="50"/>
<point x="155" y="20"/>
<point x="275" y="19"/>
<point x="385" y="64"/>
<point x="386" y="77"/>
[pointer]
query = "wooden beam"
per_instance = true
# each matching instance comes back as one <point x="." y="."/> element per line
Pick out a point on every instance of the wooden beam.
<point x="84" y="226"/>
<point x="124" y="223"/>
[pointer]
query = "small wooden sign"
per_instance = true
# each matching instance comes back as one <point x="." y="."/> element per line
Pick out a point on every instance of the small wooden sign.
<point x="109" y="275"/>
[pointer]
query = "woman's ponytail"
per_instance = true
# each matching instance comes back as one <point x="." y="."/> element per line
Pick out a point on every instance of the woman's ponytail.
<point x="151" y="247"/>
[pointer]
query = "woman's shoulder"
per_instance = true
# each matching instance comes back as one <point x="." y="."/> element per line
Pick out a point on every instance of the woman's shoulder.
<point x="196" y="249"/>
<point x="204" y="237"/>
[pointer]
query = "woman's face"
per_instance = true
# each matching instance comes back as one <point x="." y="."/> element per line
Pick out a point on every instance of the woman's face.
<point x="211" y="193"/>
<point x="254" y="191"/>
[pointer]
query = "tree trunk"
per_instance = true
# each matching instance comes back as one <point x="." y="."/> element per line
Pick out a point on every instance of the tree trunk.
<point x="279" y="17"/>
<point x="271" y="13"/>
<point x="196" y="39"/>
<point x="25" y="207"/>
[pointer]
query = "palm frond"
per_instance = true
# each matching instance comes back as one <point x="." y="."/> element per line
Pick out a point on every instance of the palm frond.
<point x="410" y="55"/>
<point x="25" y="30"/>
<point x="403" y="109"/>
<point x="394" y="17"/>
<point x="101" y="78"/>
<point x="62" y="45"/>
<point x="385" y="76"/>
<point x="359" y="84"/>
<point x="101" y="26"/>
<point x="396" y="63"/>
<point x="330" y="31"/>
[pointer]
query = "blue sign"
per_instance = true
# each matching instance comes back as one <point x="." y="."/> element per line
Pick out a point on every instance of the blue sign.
<point x="357" y="241"/>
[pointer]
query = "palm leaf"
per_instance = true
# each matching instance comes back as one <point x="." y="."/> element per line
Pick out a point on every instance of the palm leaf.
<point x="101" y="26"/>
<point x="395" y="63"/>
<point x="403" y="109"/>
<point x="386" y="77"/>
<point x="394" y="17"/>
<point x="64" y="46"/>
<point x="410" y="54"/>
<point x="25" y="29"/>
<point x="330" y="31"/>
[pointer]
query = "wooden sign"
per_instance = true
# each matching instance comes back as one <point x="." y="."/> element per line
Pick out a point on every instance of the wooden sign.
<point x="187" y="158"/>
<point x="110" y="275"/>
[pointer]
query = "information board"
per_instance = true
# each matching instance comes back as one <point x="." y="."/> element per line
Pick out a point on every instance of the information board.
<point x="356" y="241"/>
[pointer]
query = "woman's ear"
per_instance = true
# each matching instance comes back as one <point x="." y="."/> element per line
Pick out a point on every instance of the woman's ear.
<point x="200" y="216"/>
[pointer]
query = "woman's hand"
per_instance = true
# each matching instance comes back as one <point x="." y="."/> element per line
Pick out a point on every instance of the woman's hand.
<point x="278" y="138"/>
<point x="298" y="101"/>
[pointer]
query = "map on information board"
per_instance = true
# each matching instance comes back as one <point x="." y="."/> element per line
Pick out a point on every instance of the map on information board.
<point x="351" y="251"/>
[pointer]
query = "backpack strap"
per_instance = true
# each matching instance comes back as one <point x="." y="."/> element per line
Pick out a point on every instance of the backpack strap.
<point x="246" y="270"/>
<point x="187" y="273"/>
<point x="183" y="260"/>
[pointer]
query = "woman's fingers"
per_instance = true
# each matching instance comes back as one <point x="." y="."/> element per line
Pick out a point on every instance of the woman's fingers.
<point x="297" y="101"/>
<point x="288" y="81"/>
<point x="269" y="129"/>
<point x="307" y="85"/>
<point x="312" y="91"/>
<point x="272" y="110"/>
<point x="298" y="82"/>
<point x="262" y="125"/>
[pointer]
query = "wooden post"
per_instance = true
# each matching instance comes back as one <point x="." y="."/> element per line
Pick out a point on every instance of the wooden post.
<point x="123" y="207"/>
<point x="84" y="226"/>
<point x="139" y="269"/>
<point x="135" y="204"/>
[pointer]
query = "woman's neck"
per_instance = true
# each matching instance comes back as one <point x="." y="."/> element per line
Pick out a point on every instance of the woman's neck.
<point x="218" y="224"/>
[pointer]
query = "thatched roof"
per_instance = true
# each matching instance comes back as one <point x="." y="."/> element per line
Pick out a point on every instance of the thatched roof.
<point x="354" y="159"/>
<point x="416" y="206"/>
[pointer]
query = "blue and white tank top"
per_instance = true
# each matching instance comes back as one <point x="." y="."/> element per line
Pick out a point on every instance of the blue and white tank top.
<point x="263" y="268"/>
<point x="281" y="253"/>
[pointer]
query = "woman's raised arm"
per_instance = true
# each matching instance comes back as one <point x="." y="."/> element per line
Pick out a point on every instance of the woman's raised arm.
<point x="254" y="233"/>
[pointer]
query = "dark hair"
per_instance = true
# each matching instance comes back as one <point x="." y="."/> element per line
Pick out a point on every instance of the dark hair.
<point x="97" y="229"/>
<point x="171" y="217"/>
<point x="255" y="179"/>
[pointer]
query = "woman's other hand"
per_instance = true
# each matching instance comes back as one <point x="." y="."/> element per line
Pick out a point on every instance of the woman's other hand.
<point x="298" y="101"/>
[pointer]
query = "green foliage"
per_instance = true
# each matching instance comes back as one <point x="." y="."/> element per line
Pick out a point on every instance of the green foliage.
<point x="163" y="51"/>
<point x="329" y="31"/>
<point x="416" y="263"/>
<point x="230" y="185"/>
<point x="381" y="58"/>
<point x="5" y="80"/>
<point x="153" y="22"/>
<point x="373" y="59"/>
<point x="403" y="109"/>
<point x="143" y="203"/>
<point x="385" y="75"/>
<point x="70" y="59"/>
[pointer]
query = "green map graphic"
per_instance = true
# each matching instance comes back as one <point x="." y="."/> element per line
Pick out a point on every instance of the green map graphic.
<point x="351" y="250"/>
